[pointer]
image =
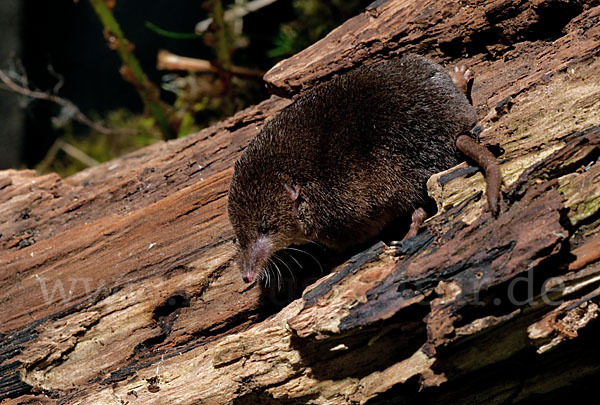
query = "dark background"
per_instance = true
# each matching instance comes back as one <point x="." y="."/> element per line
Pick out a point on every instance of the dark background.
<point x="40" y="37"/>
<point x="69" y="37"/>
<point x="11" y="113"/>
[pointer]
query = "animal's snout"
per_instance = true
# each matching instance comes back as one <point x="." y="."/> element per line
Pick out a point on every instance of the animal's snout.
<point x="248" y="277"/>
<point x="255" y="257"/>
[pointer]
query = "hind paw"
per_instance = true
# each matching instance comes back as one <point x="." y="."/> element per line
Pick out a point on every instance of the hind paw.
<point x="463" y="79"/>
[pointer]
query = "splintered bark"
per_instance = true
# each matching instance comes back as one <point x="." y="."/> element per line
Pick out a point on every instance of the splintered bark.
<point x="118" y="284"/>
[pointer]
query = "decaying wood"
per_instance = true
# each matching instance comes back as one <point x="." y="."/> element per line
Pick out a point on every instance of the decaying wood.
<point x="118" y="284"/>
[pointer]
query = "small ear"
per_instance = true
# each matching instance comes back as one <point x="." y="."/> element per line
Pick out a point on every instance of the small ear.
<point x="293" y="191"/>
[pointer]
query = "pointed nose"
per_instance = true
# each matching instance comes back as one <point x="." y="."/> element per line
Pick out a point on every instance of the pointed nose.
<point x="248" y="277"/>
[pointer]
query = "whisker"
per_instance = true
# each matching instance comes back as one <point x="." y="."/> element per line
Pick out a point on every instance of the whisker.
<point x="266" y="271"/>
<point x="293" y="258"/>
<point x="288" y="267"/>
<point x="309" y="254"/>
<point x="308" y="241"/>
<point x="269" y="274"/>
<point x="313" y="242"/>
<point x="279" y="276"/>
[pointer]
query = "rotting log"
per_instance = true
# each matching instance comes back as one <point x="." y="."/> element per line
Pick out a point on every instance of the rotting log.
<point x="118" y="284"/>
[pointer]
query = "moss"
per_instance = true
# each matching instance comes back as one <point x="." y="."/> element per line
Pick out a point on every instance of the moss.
<point x="582" y="193"/>
<point x="584" y="210"/>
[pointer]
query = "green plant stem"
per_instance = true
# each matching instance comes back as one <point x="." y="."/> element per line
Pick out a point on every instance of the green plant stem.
<point x="170" y="34"/>
<point x="223" y="43"/>
<point x="147" y="90"/>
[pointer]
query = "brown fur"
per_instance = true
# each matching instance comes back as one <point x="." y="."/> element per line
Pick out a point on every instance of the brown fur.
<point x="360" y="149"/>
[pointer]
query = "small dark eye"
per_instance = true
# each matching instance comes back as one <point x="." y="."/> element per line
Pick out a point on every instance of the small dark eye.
<point x="265" y="228"/>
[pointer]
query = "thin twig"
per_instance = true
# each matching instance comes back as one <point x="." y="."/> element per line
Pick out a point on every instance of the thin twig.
<point x="78" y="154"/>
<point x="169" y="61"/>
<point x="234" y="13"/>
<point x="9" y="84"/>
<point x="70" y="150"/>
